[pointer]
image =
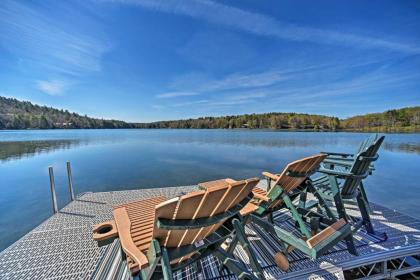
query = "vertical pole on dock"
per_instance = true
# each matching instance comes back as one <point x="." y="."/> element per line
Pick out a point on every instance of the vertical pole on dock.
<point x="52" y="185"/>
<point x="70" y="181"/>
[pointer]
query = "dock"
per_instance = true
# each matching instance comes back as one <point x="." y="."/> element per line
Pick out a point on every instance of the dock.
<point x="62" y="246"/>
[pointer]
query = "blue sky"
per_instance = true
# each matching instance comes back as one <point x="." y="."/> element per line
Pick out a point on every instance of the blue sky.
<point x="155" y="60"/>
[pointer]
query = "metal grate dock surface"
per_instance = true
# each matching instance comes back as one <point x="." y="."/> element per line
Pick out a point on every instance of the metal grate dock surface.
<point x="62" y="246"/>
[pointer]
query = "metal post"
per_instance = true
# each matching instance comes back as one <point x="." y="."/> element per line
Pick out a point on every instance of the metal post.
<point x="70" y="181"/>
<point x="52" y="185"/>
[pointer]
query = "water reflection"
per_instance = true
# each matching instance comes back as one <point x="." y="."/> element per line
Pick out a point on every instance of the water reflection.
<point x="30" y="144"/>
<point x="19" y="149"/>
<point x="403" y="147"/>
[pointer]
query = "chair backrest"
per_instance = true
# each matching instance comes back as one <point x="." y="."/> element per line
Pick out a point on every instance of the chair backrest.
<point x="360" y="167"/>
<point x="293" y="175"/>
<point x="196" y="205"/>
<point x="367" y="142"/>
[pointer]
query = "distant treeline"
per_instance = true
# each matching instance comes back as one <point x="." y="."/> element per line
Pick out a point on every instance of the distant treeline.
<point x="253" y="121"/>
<point x="15" y="114"/>
<point x="406" y="119"/>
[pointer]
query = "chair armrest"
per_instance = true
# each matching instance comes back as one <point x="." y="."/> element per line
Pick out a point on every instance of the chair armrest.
<point x="342" y="174"/>
<point x="338" y="162"/>
<point x="344" y="155"/>
<point x="260" y="197"/>
<point x="348" y="159"/>
<point x="269" y="175"/>
<point x="123" y="224"/>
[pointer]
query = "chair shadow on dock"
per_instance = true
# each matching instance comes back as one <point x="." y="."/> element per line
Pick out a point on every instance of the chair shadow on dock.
<point x="77" y="214"/>
<point x="90" y="201"/>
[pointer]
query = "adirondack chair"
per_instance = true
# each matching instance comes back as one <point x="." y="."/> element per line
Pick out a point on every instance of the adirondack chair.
<point x="345" y="185"/>
<point x="160" y="236"/>
<point x="280" y="195"/>
<point x="344" y="161"/>
<point x="350" y="157"/>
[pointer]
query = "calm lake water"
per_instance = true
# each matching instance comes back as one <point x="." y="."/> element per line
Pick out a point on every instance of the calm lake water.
<point x="105" y="160"/>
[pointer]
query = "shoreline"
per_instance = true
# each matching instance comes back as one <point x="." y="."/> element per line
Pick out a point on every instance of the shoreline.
<point x="370" y="130"/>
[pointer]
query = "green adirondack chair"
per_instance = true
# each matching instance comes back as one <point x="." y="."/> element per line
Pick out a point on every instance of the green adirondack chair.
<point x="343" y="182"/>
<point x="350" y="157"/>
<point x="343" y="161"/>
<point x="160" y="236"/>
<point x="287" y="186"/>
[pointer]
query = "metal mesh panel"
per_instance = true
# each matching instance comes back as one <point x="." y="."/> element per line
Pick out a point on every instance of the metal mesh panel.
<point x="62" y="247"/>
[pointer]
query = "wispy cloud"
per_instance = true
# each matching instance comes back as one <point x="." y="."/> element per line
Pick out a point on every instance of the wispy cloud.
<point x="32" y="35"/>
<point x="244" y="96"/>
<point x="239" y="98"/>
<point x="318" y="93"/>
<point x="190" y="103"/>
<point x="52" y="87"/>
<point x="199" y="84"/>
<point x="241" y="80"/>
<point x="176" y="94"/>
<point x="264" y="25"/>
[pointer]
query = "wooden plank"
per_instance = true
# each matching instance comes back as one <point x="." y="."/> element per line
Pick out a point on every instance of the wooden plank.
<point x="188" y="205"/>
<point x="325" y="233"/>
<point x="164" y="210"/>
<point x="206" y="209"/>
<point x="215" y="183"/>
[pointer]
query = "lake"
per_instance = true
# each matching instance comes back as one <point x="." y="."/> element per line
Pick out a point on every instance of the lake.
<point x="105" y="160"/>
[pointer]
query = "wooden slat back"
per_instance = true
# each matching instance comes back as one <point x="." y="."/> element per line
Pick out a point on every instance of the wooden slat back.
<point x="199" y="204"/>
<point x="207" y="208"/>
<point x="164" y="210"/>
<point x="368" y="142"/>
<point x="289" y="183"/>
<point x="238" y="191"/>
<point x="306" y="165"/>
<point x="361" y="166"/>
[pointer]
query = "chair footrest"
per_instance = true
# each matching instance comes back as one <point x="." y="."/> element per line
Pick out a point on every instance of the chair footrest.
<point x="328" y="233"/>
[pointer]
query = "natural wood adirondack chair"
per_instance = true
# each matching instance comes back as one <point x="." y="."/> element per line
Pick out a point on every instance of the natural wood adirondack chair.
<point x="281" y="195"/>
<point x="159" y="236"/>
<point x="343" y="181"/>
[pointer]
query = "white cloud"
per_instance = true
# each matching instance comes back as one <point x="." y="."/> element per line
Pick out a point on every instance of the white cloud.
<point x="51" y="44"/>
<point x="264" y="25"/>
<point x="52" y="87"/>
<point x="176" y="94"/>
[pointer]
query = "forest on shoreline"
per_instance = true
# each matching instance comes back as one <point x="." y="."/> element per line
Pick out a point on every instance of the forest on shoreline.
<point x="15" y="114"/>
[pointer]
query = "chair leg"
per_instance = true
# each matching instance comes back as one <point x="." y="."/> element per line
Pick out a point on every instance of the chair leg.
<point x="339" y="204"/>
<point x="233" y="265"/>
<point x="166" y="266"/>
<point x="364" y="211"/>
<point x="363" y="193"/>
<point x="350" y="244"/>
<point x="302" y="198"/>
<point x="342" y="214"/>
<point x="268" y="184"/>
<point x="270" y="217"/>
<point x="322" y="203"/>
<point x="296" y="216"/>
<point x="243" y="241"/>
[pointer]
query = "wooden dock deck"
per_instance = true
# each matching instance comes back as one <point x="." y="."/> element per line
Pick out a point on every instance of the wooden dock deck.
<point x="62" y="247"/>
